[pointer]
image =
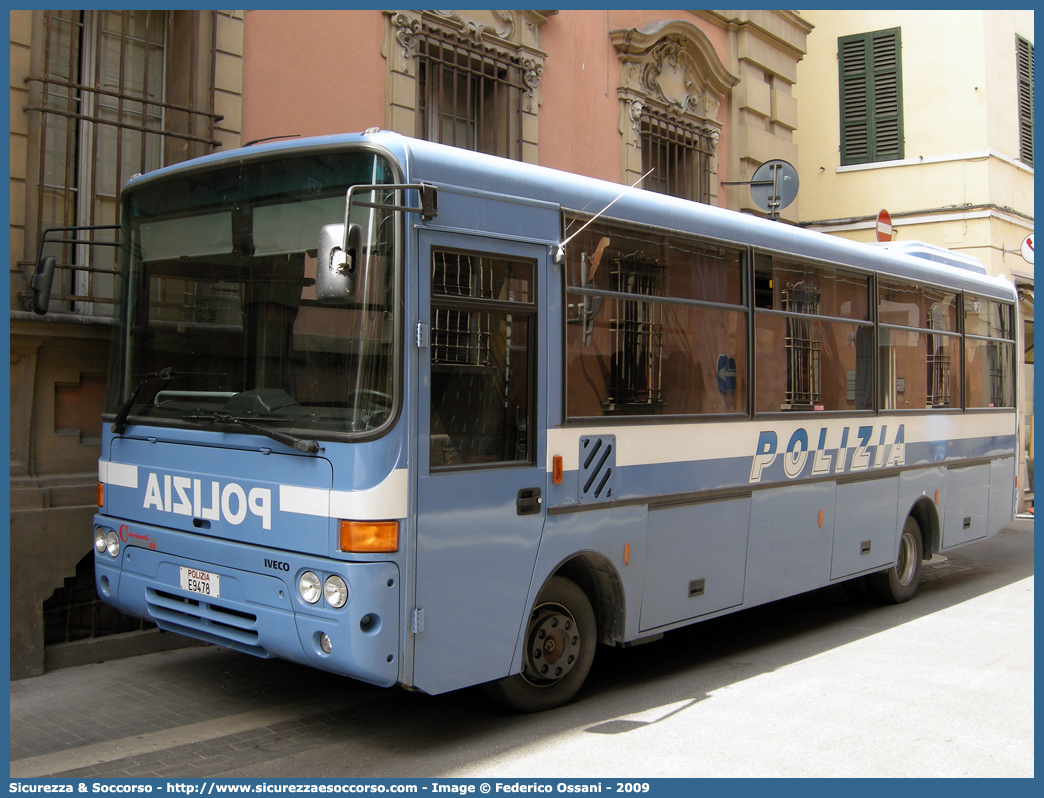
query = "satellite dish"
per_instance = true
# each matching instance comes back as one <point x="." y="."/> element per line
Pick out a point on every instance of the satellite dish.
<point x="774" y="186"/>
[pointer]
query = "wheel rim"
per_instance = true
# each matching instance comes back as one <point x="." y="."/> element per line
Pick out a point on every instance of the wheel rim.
<point x="906" y="566"/>
<point x="552" y="645"/>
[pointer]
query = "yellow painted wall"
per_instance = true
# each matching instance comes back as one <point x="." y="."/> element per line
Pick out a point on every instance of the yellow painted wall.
<point x="960" y="184"/>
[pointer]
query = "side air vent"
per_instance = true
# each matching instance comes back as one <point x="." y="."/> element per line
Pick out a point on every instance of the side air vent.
<point x="598" y="478"/>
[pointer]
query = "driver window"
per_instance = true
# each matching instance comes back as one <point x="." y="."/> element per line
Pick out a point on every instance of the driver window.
<point x="482" y="326"/>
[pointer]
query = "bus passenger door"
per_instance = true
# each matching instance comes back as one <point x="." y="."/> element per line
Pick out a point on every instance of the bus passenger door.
<point x="481" y="454"/>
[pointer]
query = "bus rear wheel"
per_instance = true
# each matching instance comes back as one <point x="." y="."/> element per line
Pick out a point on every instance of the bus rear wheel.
<point x="559" y="649"/>
<point x="899" y="583"/>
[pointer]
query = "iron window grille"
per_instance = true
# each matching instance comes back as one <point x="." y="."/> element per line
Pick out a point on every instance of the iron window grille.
<point x="636" y="367"/>
<point x="469" y="97"/>
<point x="938" y="359"/>
<point x="804" y="372"/>
<point x="74" y="611"/>
<point x="116" y="93"/>
<point x="679" y="156"/>
<point x="460" y="336"/>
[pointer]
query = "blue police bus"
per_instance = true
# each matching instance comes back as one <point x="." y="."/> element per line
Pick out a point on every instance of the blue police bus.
<point x="421" y="416"/>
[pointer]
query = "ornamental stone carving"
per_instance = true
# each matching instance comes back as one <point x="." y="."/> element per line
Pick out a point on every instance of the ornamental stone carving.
<point x="634" y="116"/>
<point x="409" y="29"/>
<point x="674" y="65"/>
<point x="503" y="27"/>
<point x="671" y="71"/>
<point x="406" y="31"/>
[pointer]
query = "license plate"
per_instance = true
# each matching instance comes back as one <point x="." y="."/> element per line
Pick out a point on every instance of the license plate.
<point x="202" y="582"/>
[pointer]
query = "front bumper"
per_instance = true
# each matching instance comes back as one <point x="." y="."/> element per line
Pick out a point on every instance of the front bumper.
<point x="259" y="610"/>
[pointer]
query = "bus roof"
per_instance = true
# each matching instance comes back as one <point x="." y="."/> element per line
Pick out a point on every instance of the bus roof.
<point x="452" y="166"/>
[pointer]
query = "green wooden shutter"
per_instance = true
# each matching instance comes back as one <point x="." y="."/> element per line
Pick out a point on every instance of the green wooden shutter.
<point x="870" y="78"/>
<point x="1024" y="57"/>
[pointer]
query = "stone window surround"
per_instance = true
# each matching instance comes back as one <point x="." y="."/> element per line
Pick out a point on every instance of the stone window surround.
<point x="513" y="35"/>
<point x="673" y="67"/>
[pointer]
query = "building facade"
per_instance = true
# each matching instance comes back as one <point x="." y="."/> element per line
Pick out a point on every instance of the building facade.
<point x="679" y="102"/>
<point x="928" y="115"/>
<point x="96" y="97"/>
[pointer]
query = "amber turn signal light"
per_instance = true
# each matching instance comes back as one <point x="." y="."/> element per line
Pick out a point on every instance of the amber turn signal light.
<point x="362" y="537"/>
<point x="101" y="494"/>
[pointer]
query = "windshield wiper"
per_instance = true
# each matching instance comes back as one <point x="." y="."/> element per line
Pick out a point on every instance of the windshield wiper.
<point x="302" y="445"/>
<point x="166" y="375"/>
<point x="120" y="422"/>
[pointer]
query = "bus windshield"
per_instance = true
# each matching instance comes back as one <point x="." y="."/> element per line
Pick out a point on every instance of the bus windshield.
<point x="217" y="319"/>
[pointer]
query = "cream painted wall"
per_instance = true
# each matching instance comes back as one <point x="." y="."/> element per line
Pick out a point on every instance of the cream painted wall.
<point x="960" y="129"/>
<point x="960" y="184"/>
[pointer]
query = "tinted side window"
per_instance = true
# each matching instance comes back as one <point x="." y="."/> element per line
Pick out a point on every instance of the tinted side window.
<point x="813" y="336"/>
<point x="655" y="324"/>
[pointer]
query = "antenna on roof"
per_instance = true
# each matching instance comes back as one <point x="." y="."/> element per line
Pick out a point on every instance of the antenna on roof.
<point x="560" y="254"/>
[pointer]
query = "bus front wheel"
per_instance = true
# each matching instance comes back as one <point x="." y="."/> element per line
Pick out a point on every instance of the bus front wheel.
<point x="559" y="649"/>
<point x="899" y="583"/>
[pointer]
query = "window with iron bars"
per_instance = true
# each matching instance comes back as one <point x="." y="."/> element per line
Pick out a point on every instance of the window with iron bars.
<point x="679" y="156"/>
<point x="460" y="336"/>
<point x="637" y="325"/>
<point x="469" y="98"/>
<point x="804" y="372"/>
<point x="74" y="611"/>
<point x="938" y="359"/>
<point x="482" y="315"/>
<point x="115" y="93"/>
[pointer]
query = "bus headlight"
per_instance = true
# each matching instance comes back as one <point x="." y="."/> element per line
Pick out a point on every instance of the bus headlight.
<point x="112" y="543"/>
<point x="336" y="591"/>
<point x="99" y="540"/>
<point x="310" y="587"/>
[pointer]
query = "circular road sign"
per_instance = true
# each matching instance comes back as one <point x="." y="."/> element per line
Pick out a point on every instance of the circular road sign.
<point x="774" y="185"/>
<point x="884" y="226"/>
<point x="1027" y="249"/>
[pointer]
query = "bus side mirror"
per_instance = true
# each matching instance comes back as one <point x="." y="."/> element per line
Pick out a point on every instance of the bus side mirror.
<point x="40" y="283"/>
<point x="337" y="262"/>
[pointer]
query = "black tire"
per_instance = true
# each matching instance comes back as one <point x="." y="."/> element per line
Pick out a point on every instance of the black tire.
<point x="899" y="583"/>
<point x="559" y="648"/>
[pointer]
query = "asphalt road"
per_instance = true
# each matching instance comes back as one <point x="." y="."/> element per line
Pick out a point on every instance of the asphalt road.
<point x="816" y="685"/>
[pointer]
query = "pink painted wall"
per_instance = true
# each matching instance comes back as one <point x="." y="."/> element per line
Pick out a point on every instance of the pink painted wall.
<point x="321" y="72"/>
<point x="580" y="113"/>
<point x="312" y="72"/>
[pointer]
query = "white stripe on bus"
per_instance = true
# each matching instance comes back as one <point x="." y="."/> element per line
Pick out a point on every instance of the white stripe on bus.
<point x="682" y="443"/>
<point x="121" y="475"/>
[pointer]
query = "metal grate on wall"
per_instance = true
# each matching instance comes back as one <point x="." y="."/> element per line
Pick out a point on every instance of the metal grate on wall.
<point x="114" y="94"/>
<point x="74" y="611"/>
